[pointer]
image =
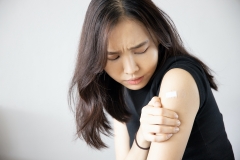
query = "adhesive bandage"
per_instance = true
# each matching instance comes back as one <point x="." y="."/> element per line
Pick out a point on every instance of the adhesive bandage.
<point x="176" y="94"/>
<point x="171" y="94"/>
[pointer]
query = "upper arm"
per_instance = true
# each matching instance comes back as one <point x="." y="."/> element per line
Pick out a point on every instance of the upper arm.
<point x="121" y="140"/>
<point x="186" y="104"/>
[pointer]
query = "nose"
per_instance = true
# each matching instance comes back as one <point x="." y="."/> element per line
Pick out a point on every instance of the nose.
<point x="129" y="65"/>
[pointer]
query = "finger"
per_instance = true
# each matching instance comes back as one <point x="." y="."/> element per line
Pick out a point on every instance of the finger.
<point x="161" y="137"/>
<point x="155" y="102"/>
<point x="158" y="137"/>
<point x="160" y="129"/>
<point x="159" y="120"/>
<point x="149" y="110"/>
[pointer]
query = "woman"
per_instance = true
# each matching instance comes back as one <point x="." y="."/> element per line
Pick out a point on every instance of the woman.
<point x="133" y="65"/>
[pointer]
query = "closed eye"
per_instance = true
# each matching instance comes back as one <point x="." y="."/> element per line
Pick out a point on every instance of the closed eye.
<point x="142" y="52"/>
<point x="113" y="58"/>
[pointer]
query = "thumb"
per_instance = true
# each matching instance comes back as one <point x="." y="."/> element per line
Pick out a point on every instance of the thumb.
<point x="156" y="102"/>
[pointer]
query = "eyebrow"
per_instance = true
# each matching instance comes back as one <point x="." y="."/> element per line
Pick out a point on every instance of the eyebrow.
<point x="131" y="48"/>
<point x="139" y="45"/>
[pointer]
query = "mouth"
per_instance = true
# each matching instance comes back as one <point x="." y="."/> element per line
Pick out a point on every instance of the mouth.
<point x="135" y="81"/>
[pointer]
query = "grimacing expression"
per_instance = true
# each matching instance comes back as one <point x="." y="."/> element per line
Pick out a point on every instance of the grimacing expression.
<point x="132" y="54"/>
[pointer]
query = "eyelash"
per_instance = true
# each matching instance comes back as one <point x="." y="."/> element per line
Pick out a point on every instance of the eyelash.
<point x="135" y="53"/>
<point x="142" y="52"/>
<point x="114" y="58"/>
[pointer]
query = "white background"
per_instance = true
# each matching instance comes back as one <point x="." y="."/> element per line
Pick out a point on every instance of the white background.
<point x="38" y="47"/>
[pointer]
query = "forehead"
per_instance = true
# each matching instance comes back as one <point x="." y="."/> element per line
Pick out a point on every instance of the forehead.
<point x="127" y="33"/>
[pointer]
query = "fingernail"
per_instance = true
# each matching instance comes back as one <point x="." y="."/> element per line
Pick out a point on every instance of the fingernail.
<point x="176" y="115"/>
<point x="176" y="129"/>
<point x="178" y="123"/>
<point x="170" y="135"/>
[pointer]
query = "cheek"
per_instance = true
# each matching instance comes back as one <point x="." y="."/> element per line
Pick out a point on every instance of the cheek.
<point x="149" y="61"/>
<point x="113" y="70"/>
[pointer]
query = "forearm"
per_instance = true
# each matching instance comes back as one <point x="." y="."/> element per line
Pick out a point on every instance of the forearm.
<point x="122" y="148"/>
<point x="137" y="153"/>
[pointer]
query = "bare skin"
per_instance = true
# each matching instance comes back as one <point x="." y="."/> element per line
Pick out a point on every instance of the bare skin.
<point x="132" y="60"/>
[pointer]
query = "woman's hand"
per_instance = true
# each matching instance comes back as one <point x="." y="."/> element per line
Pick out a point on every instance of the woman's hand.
<point x="157" y="124"/>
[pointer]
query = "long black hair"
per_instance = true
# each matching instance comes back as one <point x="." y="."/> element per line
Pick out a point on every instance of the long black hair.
<point x="95" y="90"/>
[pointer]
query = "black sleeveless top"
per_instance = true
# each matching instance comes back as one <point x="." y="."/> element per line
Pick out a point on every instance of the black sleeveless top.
<point x="208" y="139"/>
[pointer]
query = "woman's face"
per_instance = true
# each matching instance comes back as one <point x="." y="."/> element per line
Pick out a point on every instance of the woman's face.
<point x="132" y="54"/>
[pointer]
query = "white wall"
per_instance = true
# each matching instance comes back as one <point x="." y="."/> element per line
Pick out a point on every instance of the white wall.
<point x="38" y="46"/>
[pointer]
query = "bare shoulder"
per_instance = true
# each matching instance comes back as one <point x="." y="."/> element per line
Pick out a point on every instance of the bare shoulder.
<point x="178" y="92"/>
<point x="178" y="86"/>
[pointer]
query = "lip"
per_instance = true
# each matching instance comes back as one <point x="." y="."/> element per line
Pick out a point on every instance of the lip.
<point x="135" y="81"/>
